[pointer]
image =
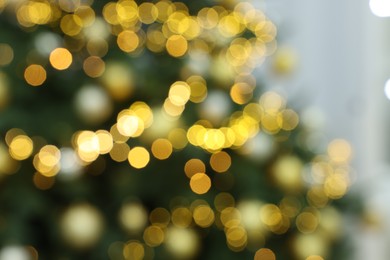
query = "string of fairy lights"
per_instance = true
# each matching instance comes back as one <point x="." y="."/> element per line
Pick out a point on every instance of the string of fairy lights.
<point x="212" y="41"/>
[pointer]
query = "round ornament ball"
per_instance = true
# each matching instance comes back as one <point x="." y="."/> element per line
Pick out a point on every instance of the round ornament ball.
<point x="81" y="225"/>
<point x="93" y="105"/>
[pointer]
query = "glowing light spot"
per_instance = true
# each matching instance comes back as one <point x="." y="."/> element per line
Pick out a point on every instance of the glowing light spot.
<point x="265" y="254"/>
<point x="270" y="215"/>
<point x="43" y="182"/>
<point x="133" y="217"/>
<point x="128" y="125"/>
<point x="181" y="217"/>
<point x="172" y="109"/>
<point x="336" y="186"/>
<point x="176" y="45"/>
<point x="86" y="14"/>
<point x="138" y="157"/>
<point x="236" y="238"/>
<point x="200" y="183"/>
<point x="120" y="152"/>
<point x="153" y="236"/>
<point x="35" y="75"/>
<point x="380" y="8"/>
<point x="203" y="216"/>
<point x="88" y="146"/>
<point x="105" y="141"/>
<point x="208" y="18"/>
<point x="128" y="41"/>
<point x="230" y="217"/>
<point x="60" y="58"/>
<point x="241" y="93"/>
<point x="178" y="138"/>
<point x="194" y="166"/>
<point x="224" y="200"/>
<point x="126" y="12"/>
<point x="220" y="161"/>
<point x="306" y="222"/>
<point x="179" y="93"/>
<point x="134" y="250"/>
<point x="71" y="24"/>
<point x="339" y="151"/>
<point x="147" y="13"/>
<point x="198" y="89"/>
<point x="160" y="217"/>
<point x="47" y="160"/>
<point x="287" y="119"/>
<point x="94" y="66"/>
<point x="6" y="54"/>
<point x="161" y="149"/>
<point x="21" y="147"/>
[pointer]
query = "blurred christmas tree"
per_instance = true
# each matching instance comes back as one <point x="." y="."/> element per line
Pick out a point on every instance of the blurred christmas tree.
<point x="139" y="130"/>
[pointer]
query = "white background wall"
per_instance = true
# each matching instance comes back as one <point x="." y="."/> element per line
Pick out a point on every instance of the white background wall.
<point x="344" y="61"/>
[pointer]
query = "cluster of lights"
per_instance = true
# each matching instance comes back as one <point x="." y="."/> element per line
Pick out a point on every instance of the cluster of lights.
<point x="246" y="225"/>
<point x="166" y="26"/>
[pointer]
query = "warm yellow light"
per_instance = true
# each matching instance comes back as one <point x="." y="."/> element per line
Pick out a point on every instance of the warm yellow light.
<point x="43" y="182"/>
<point x="178" y="138"/>
<point x="270" y="215"/>
<point x="128" y="124"/>
<point x="194" y="166"/>
<point x="198" y="89"/>
<point x="128" y="41"/>
<point x="154" y="236"/>
<point x="120" y="152"/>
<point x="138" y="157"/>
<point x="179" y="93"/>
<point x="71" y="24"/>
<point x="21" y="147"/>
<point x="161" y="148"/>
<point x="236" y="238"/>
<point x="94" y="66"/>
<point x="340" y="151"/>
<point x="105" y="141"/>
<point x="60" y="58"/>
<point x="181" y="217"/>
<point x="147" y="13"/>
<point x="160" y="217"/>
<point x="200" y="183"/>
<point x="306" y="222"/>
<point x="265" y="254"/>
<point x="35" y="75"/>
<point x="6" y="54"/>
<point x="134" y="250"/>
<point x="220" y="161"/>
<point x="88" y="146"/>
<point x="176" y="45"/>
<point x="203" y="216"/>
